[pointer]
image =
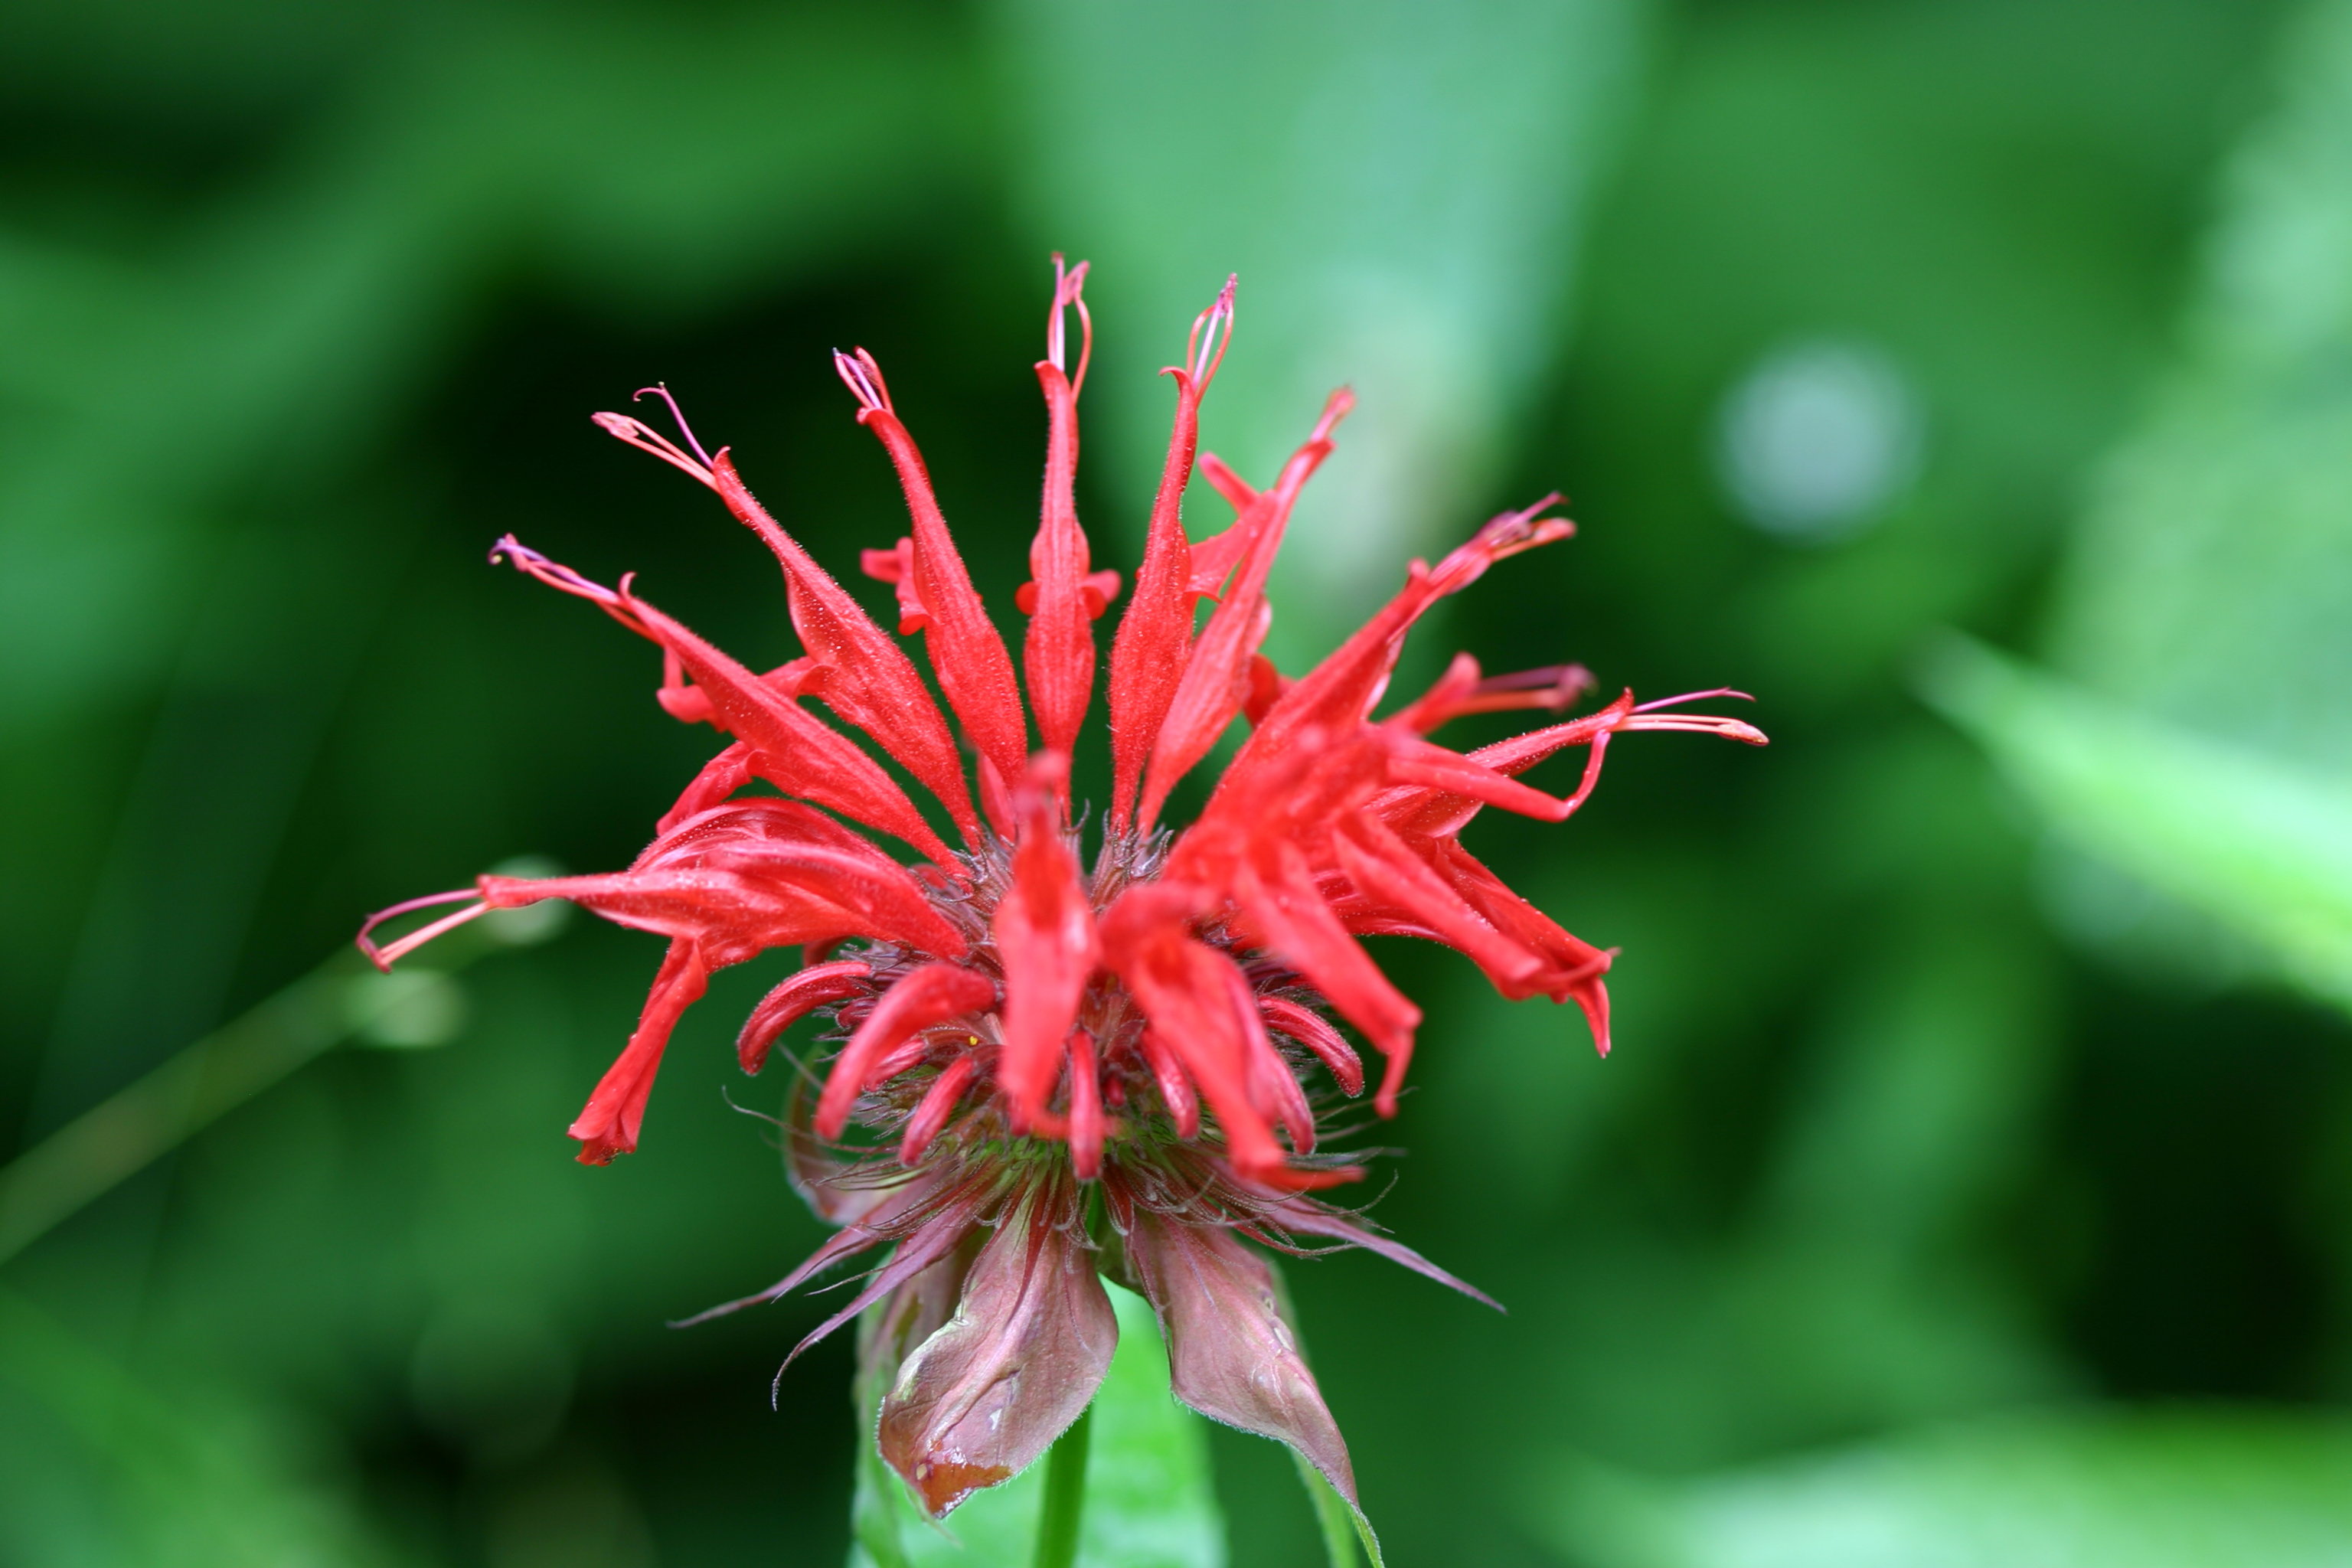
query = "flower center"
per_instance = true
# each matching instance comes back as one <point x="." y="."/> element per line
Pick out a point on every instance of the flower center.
<point x="1122" y="1094"/>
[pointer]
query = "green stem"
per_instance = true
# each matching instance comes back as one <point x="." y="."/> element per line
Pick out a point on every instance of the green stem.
<point x="115" y="1140"/>
<point x="1065" y="1495"/>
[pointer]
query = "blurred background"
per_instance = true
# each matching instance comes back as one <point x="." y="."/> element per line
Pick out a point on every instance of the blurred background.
<point x="1971" y="380"/>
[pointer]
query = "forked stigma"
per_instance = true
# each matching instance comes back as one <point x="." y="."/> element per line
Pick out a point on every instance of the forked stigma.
<point x="863" y="379"/>
<point x="1212" y="330"/>
<point x="646" y="438"/>
<point x="1069" y="289"/>
<point x="661" y="391"/>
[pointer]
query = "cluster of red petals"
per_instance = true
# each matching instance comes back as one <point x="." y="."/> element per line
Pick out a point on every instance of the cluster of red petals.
<point x="1155" y="1011"/>
<point x="1328" y="825"/>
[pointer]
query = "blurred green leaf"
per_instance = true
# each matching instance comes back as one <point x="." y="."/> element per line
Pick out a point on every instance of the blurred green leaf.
<point x="2187" y="1489"/>
<point x="2262" y="845"/>
<point x="1401" y="188"/>
<point x="2210" y="583"/>
<point x="2206" y="607"/>
<point x="1148" y="1500"/>
<point x="185" y="1481"/>
<point x="632" y="155"/>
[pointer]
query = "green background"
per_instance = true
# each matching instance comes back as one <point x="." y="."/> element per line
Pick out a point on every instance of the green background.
<point x="1972" y="1181"/>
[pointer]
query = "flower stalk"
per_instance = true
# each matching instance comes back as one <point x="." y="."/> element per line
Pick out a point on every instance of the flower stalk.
<point x="1065" y="1495"/>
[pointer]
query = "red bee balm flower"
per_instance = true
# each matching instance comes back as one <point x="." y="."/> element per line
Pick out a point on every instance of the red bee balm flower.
<point x="1014" y="1027"/>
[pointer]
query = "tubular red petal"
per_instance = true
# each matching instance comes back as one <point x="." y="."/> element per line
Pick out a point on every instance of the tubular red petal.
<point x="797" y="754"/>
<point x="1230" y="1353"/>
<point x="1183" y="988"/>
<point x="722" y="777"/>
<point x="1214" y="558"/>
<point x="1388" y="873"/>
<point x="752" y="874"/>
<point x="1312" y="1029"/>
<point x="1437" y="810"/>
<point x="995" y="800"/>
<point x="938" y="1104"/>
<point x="1099" y="589"/>
<point x="1425" y="766"/>
<point x="740" y="918"/>
<point x="818" y="985"/>
<point x="1085" y="1107"/>
<point x="1045" y="934"/>
<point x="1216" y="681"/>
<point x="870" y="681"/>
<point x="875" y="687"/>
<point x="782" y="842"/>
<point x="1441" y="702"/>
<point x="931" y="994"/>
<point x="1267" y="686"/>
<point x="1520" y="753"/>
<point x="1460" y="691"/>
<point x="1574" y="968"/>
<point x="1020" y="1360"/>
<point x="608" y="1124"/>
<point x="1058" y="653"/>
<point x="1147" y="655"/>
<point x="1175" y="1087"/>
<point x="1273" y="1089"/>
<point x="917" y="1047"/>
<point x="967" y="654"/>
<point x="1343" y="688"/>
<point x="1238" y="491"/>
<point x="1282" y="900"/>
<point x="895" y="566"/>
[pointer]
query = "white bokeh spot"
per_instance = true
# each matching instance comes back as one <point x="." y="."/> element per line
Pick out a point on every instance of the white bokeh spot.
<point x="1817" y="440"/>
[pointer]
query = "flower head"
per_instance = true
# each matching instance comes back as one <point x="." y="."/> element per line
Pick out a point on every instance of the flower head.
<point x="1017" y="1024"/>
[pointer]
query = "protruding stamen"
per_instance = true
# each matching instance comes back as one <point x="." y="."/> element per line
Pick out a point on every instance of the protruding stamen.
<point x="554" y="573"/>
<point x="646" y="438"/>
<point x="1514" y="531"/>
<point x="864" y="378"/>
<point x="1699" y="724"/>
<point x="383" y="958"/>
<point x="1335" y="407"/>
<point x="662" y="392"/>
<point x="1213" y="329"/>
<point x="1692" y="697"/>
<point x="1069" y="289"/>
<point x="1649" y="715"/>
